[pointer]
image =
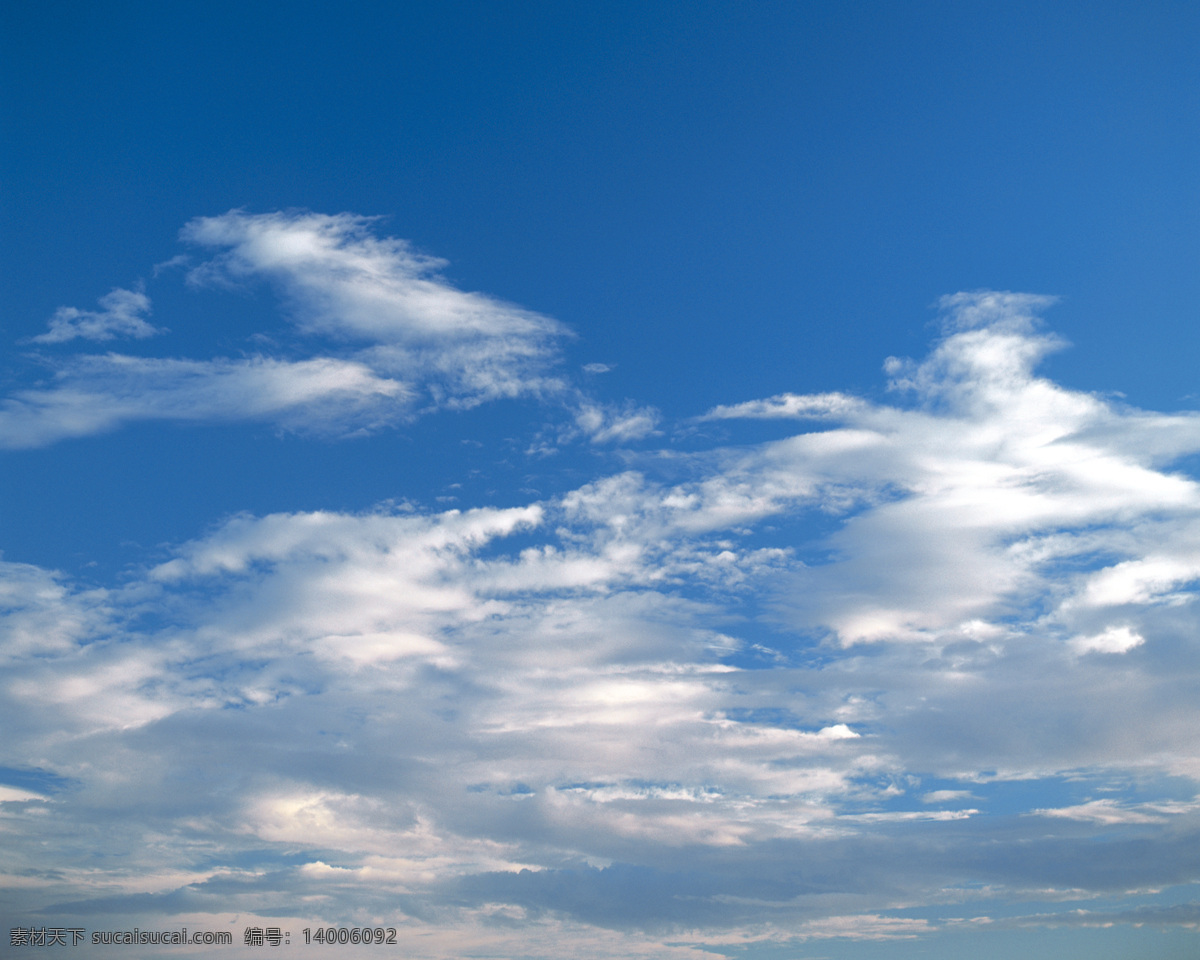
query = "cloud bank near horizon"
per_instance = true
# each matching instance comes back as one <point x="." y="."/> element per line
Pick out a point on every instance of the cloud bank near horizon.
<point x="936" y="652"/>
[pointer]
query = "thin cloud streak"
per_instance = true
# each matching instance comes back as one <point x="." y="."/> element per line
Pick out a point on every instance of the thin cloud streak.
<point x="96" y="394"/>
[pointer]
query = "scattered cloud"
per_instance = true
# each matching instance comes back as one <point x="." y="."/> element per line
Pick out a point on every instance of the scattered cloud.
<point x="612" y="424"/>
<point x="123" y="314"/>
<point x="381" y="338"/>
<point x="702" y="694"/>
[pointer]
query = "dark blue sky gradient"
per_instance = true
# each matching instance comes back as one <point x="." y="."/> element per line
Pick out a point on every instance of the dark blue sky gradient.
<point x="785" y="186"/>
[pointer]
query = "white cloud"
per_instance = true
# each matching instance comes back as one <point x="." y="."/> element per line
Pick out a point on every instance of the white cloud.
<point x="1112" y="640"/>
<point x="947" y="796"/>
<point x="341" y="281"/>
<point x="457" y="715"/>
<point x="790" y="406"/>
<point x="611" y="424"/>
<point x="384" y="338"/>
<point x="40" y="615"/>
<point x="864" y="927"/>
<point x="16" y="795"/>
<point x="123" y="315"/>
<point x="94" y="394"/>
<point x="1110" y="812"/>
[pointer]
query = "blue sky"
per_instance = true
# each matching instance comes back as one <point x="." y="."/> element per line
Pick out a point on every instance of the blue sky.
<point x="664" y="480"/>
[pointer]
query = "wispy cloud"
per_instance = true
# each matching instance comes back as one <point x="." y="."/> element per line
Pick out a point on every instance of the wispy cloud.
<point x="1113" y="812"/>
<point x="94" y="394"/>
<point x="123" y="315"/>
<point x="603" y="423"/>
<point x="381" y="336"/>
<point x="340" y="280"/>
<point x="788" y="406"/>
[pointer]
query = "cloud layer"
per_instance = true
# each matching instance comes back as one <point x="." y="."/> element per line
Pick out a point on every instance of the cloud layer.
<point x="935" y="652"/>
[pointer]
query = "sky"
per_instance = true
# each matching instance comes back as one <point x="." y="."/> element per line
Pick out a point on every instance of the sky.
<point x="680" y="481"/>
